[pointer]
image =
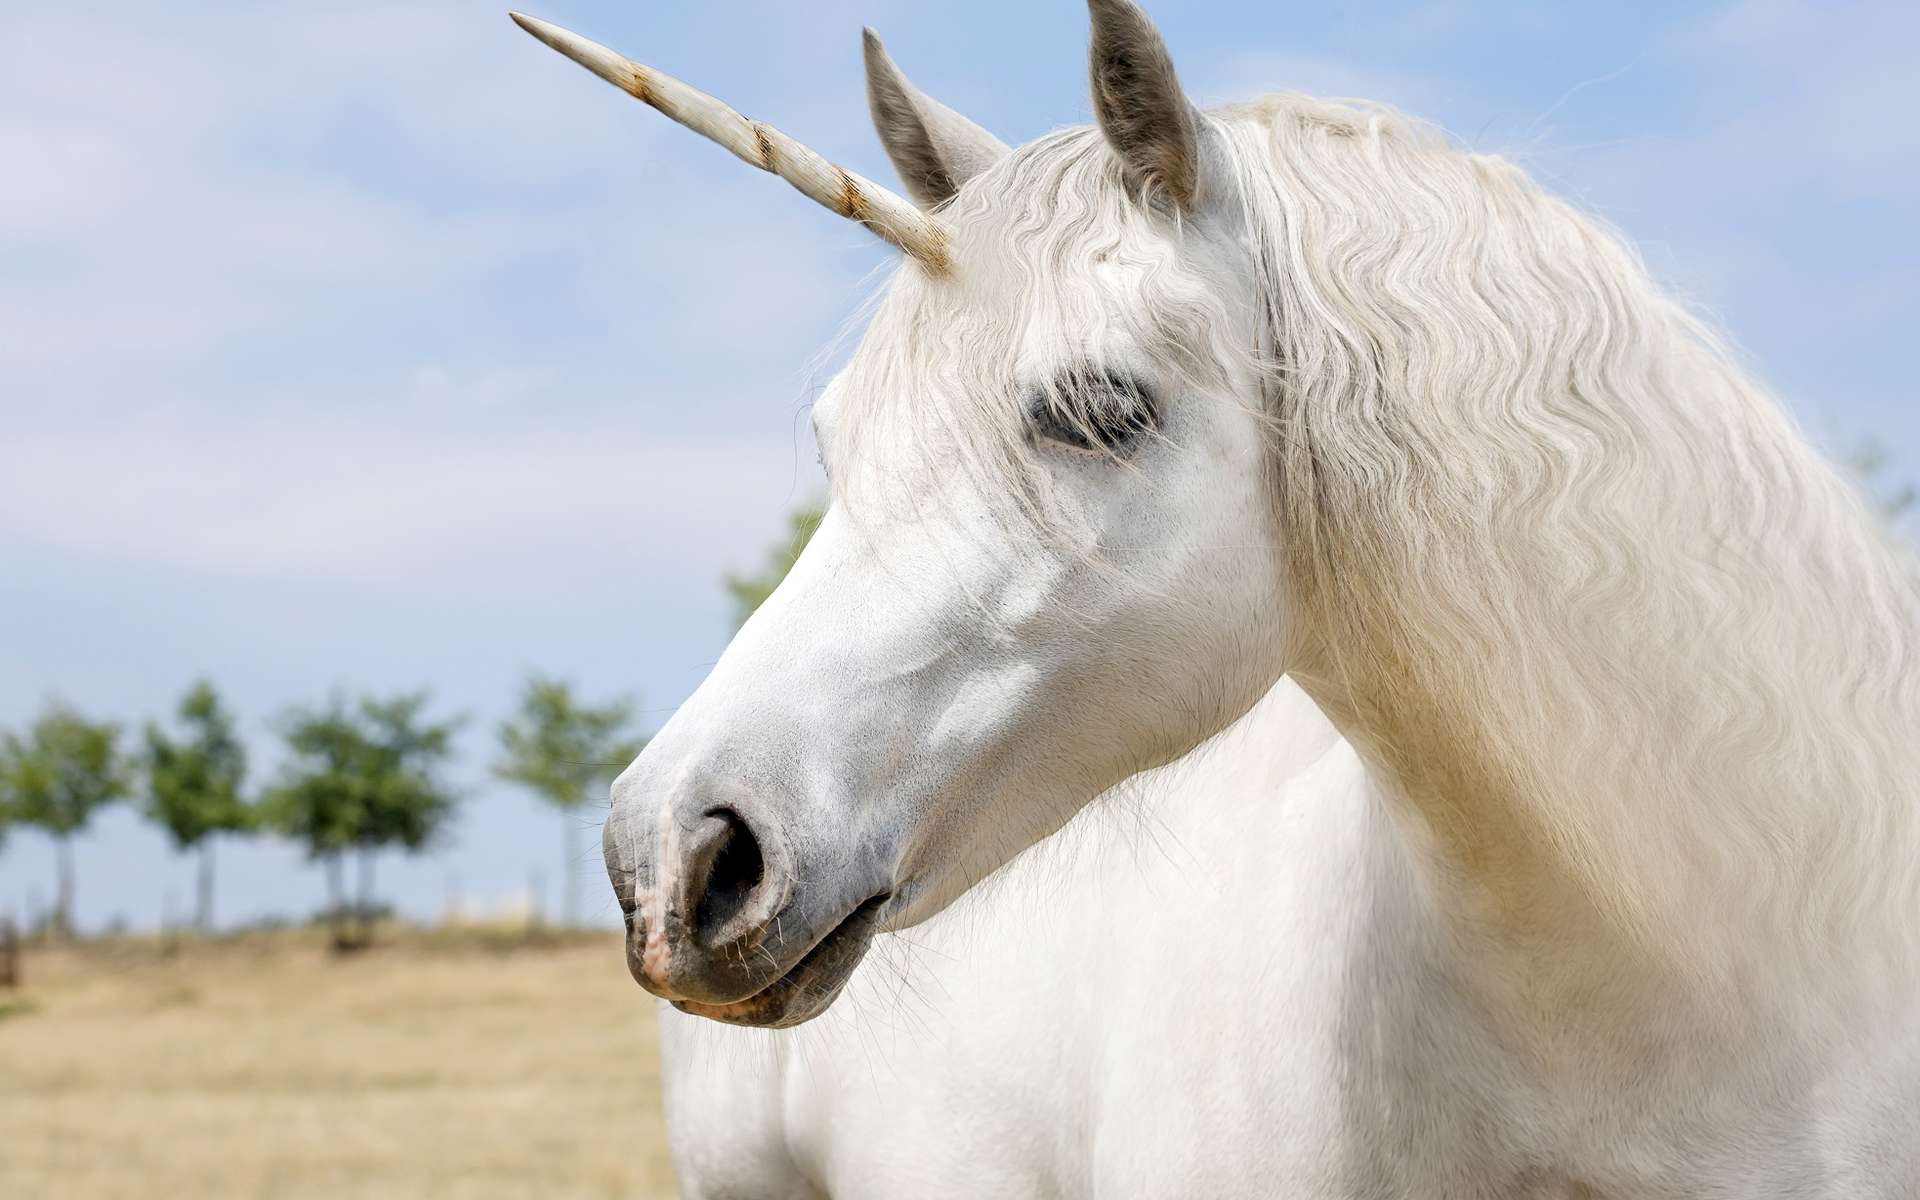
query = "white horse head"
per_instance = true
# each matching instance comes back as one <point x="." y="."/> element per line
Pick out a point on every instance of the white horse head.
<point x="1049" y="564"/>
<point x="1163" y="409"/>
<point x="1050" y="561"/>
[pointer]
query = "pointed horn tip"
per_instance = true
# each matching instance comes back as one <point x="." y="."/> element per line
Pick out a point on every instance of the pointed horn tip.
<point x="615" y="68"/>
<point x="545" y="31"/>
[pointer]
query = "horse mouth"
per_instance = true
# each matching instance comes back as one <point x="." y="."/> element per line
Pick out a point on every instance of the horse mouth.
<point x="810" y="985"/>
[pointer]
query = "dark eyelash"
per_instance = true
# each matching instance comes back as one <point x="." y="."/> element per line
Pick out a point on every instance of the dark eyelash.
<point x="1093" y="410"/>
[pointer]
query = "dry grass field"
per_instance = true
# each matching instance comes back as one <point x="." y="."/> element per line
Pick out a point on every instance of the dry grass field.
<point x="434" y="1065"/>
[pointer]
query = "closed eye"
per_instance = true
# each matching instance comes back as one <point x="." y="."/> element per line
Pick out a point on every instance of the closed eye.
<point x="1103" y="411"/>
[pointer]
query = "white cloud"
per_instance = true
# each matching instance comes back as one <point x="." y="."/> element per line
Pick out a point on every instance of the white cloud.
<point x="229" y="208"/>
<point x="387" y="502"/>
<point x="173" y="202"/>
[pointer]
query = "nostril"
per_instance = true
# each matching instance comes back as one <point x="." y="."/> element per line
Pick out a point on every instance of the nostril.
<point x="736" y="867"/>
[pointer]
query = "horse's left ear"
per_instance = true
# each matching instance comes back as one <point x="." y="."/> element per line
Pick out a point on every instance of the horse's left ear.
<point x="1148" y="120"/>
<point x="934" y="148"/>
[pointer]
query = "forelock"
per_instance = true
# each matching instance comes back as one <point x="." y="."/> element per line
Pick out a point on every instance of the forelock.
<point x="1056" y="264"/>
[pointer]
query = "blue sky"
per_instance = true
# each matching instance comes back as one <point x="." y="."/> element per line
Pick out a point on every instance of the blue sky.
<point x="373" y="346"/>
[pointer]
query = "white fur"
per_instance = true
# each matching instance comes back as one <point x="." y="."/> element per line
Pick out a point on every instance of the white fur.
<point x="1626" y="847"/>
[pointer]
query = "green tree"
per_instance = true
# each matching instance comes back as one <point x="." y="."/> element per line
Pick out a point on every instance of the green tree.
<point x="194" y="785"/>
<point x="749" y="592"/>
<point x="566" y="752"/>
<point x="359" y="778"/>
<point x="56" y="777"/>
<point x="1869" y="462"/>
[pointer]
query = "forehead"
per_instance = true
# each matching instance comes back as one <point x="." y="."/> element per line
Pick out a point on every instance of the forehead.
<point x="1057" y="270"/>
<point x="1053" y="261"/>
<point x="1052" y="256"/>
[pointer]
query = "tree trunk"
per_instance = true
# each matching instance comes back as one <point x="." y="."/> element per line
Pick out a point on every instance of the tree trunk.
<point x="9" y="954"/>
<point x="63" y="902"/>
<point x="570" y="847"/>
<point x="336" y="901"/>
<point x="364" y="907"/>
<point x="203" y="901"/>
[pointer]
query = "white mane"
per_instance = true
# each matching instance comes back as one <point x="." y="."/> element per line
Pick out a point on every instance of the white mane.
<point x="1628" y="628"/>
<point x="1643" y="664"/>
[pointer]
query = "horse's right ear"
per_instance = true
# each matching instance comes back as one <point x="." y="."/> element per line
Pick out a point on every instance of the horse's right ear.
<point x="1146" y="117"/>
<point x="934" y="148"/>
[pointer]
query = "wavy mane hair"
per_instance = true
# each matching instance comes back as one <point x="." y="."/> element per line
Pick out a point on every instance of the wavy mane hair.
<point x="1574" y="539"/>
<point x="1573" y="580"/>
<point x="1625" y="642"/>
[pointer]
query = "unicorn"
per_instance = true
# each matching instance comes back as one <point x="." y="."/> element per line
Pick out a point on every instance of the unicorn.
<point x="1158" y="411"/>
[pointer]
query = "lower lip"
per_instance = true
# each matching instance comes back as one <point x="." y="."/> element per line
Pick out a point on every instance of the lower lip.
<point x="742" y="1011"/>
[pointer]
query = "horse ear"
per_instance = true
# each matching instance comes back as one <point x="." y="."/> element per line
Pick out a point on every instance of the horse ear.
<point x="1137" y="98"/>
<point x="934" y="148"/>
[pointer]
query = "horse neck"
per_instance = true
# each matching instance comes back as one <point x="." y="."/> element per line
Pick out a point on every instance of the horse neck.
<point x="1640" y="677"/>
